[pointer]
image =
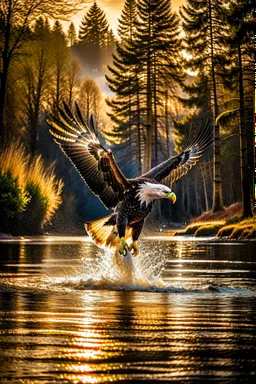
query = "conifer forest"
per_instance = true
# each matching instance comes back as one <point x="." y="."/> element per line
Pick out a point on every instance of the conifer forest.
<point x="147" y="84"/>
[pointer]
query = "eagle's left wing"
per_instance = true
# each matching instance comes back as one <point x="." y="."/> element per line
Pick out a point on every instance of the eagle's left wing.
<point x="179" y="165"/>
<point x="96" y="165"/>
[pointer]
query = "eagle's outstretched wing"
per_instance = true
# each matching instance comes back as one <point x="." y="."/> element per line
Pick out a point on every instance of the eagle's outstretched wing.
<point x="179" y="165"/>
<point x="80" y="143"/>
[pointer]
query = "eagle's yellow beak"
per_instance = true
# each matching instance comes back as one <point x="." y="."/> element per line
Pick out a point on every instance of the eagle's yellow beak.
<point x="171" y="196"/>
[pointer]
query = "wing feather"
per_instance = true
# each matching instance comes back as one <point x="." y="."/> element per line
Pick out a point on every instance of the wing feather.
<point x="96" y="165"/>
<point x="179" y="165"/>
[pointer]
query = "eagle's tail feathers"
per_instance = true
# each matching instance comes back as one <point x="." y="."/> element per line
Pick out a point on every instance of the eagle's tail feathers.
<point x="104" y="232"/>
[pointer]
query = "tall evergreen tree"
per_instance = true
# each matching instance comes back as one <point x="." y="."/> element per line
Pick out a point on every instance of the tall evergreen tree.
<point x="110" y="38"/>
<point x="60" y="58"/>
<point x="127" y="23"/>
<point x="240" y="79"/>
<point x="74" y="71"/>
<point x="90" y="99"/>
<point x="36" y="79"/>
<point x="94" y="28"/>
<point x="158" y="50"/>
<point x="123" y="80"/>
<point x="16" y="17"/>
<point x="71" y="35"/>
<point x="203" y="28"/>
<point x="145" y="66"/>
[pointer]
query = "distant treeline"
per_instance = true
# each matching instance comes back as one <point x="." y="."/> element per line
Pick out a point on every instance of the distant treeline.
<point x="167" y="73"/>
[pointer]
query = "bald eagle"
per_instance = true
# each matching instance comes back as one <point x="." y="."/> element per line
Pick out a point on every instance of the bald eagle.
<point x="130" y="199"/>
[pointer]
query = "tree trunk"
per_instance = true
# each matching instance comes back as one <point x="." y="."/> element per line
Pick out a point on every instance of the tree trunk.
<point x="130" y="127"/>
<point x="33" y="133"/>
<point x="249" y="129"/>
<point x="34" y="121"/>
<point x="217" y="185"/>
<point x="197" y="199"/>
<point x="3" y="83"/>
<point x="155" y="112"/>
<point x="187" y="197"/>
<point x="166" y="125"/>
<point x="4" y="73"/>
<point x="57" y="101"/>
<point x="246" y="195"/>
<point x="204" y="174"/>
<point x="139" y="131"/>
<point x="148" y="144"/>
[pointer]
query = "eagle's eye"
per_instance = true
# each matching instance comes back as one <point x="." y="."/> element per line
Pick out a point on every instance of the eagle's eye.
<point x="165" y="193"/>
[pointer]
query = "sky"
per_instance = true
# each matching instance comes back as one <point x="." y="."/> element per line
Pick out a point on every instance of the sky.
<point x="113" y="9"/>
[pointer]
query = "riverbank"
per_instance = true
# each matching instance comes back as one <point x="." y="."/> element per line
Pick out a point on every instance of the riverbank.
<point x="227" y="223"/>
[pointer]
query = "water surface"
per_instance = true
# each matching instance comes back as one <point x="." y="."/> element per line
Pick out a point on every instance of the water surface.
<point x="184" y="311"/>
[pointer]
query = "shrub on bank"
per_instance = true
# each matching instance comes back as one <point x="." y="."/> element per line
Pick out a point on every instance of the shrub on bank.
<point x="245" y="229"/>
<point x="196" y="228"/>
<point x="208" y="230"/>
<point x="30" y="194"/>
<point x="13" y="200"/>
<point x="227" y="223"/>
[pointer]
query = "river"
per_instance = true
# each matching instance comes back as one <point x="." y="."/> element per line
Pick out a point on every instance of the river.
<point x="183" y="311"/>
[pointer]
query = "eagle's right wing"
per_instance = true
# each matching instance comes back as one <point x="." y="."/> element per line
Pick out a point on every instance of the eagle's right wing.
<point x="96" y="165"/>
<point x="177" y="166"/>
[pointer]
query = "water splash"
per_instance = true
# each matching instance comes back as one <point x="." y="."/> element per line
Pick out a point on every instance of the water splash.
<point x="104" y="270"/>
<point x="110" y="270"/>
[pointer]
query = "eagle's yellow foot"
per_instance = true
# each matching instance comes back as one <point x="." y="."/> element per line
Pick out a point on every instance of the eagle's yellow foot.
<point x="135" y="248"/>
<point x="123" y="247"/>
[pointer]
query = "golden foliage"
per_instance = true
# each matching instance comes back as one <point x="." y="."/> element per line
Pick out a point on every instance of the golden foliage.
<point x="13" y="160"/>
<point x="27" y="171"/>
<point x="245" y="229"/>
<point x="227" y="223"/>
<point x="209" y="229"/>
<point x="50" y="188"/>
<point x="192" y="229"/>
<point x="226" y="214"/>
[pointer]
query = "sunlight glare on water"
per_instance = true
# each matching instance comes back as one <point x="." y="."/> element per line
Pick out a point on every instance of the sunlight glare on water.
<point x="182" y="311"/>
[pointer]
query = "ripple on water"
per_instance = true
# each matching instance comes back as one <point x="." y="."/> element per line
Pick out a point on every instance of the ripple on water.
<point x="181" y="312"/>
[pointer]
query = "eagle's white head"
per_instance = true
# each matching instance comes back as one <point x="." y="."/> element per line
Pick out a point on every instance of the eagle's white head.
<point x="149" y="192"/>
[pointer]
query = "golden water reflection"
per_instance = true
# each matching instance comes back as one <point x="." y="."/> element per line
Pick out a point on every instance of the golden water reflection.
<point x="77" y="335"/>
<point x="106" y="343"/>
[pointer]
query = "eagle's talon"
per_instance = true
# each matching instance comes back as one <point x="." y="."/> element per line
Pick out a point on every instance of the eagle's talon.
<point x="123" y="247"/>
<point x="134" y="247"/>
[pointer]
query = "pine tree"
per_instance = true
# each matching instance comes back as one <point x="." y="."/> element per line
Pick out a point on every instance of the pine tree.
<point x="71" y="35"/>
<point x="240" y="79"/>
<point x="123" y="81"/>
<point x="110" y="38"/>
<point x="90" y="99"/>
<point x="199" y="97"/>
<point x="127" y="23"/>
<point x="60" y="57"/>
<point x="18" y="17"/>
<point x="36" y="79"/>
<point x="158" y="48"/>
<point x="74" y="71"/>
<point x="94" y="28"/>
<point x="145" y="66"/>
<point x="57" y="28"/>
<point x="203" y="28"/>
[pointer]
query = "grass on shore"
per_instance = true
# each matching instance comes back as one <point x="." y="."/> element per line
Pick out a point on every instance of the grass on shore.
<point x="227" y="223"/>
<point x="244" y="229"/>
<point x="209" y="228"/>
